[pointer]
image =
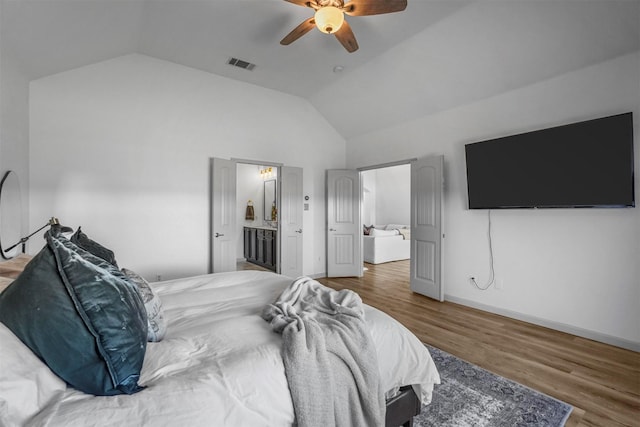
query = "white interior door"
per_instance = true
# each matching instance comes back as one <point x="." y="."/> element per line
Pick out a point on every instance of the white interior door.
<point x="426" y="227"/>
<point x="291" y="206"/>
<point x="223" y="215"/>
<point x="344" y="228"/>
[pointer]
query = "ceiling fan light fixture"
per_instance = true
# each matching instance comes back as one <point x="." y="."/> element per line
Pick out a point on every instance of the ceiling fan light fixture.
<point x="329" y="19"/>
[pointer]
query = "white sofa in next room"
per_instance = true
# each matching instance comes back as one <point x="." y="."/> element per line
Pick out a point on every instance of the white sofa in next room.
<point x="391" y="242"/>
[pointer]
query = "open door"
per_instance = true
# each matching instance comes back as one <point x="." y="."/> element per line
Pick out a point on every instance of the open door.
<point x="223" y="215"/>
<point x="344" y="228"/>
<point x="426" y="227"/>
<point x="291" y="205"/>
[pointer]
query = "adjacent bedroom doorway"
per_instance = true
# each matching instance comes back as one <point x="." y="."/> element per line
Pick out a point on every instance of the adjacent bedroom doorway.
<point x="346" y="200"/>
<point x="386" y="219"/>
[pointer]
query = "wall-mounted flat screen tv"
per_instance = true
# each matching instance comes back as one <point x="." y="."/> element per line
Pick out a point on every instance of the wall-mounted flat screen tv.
<point x="584" y="164"/>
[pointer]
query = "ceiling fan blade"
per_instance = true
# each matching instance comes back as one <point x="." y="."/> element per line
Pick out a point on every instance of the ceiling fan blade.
<point x="373" y="7"/>
<point x="346" y="37"/>
<point x="305" y="3"/>
<point x="299" y="31"/>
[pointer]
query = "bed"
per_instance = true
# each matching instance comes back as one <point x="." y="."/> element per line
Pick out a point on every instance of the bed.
<point x="386" y="243"/>
<point x="219" y="363"/>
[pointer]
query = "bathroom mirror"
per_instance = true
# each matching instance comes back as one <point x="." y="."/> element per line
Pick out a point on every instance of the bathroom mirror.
<point x="10" y="214"/>
<point x="269" y="199"/>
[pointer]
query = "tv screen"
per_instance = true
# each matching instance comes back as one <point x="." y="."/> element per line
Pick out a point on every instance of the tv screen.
<point x="585" y="164"/>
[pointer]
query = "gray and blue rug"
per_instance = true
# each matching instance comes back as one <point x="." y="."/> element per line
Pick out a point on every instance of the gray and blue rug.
<point x="471" y="396"/>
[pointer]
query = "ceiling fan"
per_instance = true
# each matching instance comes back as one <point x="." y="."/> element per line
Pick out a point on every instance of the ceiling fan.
<point x="329" y="17"/>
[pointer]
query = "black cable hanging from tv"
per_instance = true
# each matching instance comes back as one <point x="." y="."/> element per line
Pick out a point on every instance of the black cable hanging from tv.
<point x="492" y="276"/>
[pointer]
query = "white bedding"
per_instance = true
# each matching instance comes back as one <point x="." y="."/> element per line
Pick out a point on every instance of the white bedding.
<point x="220" y="364"/>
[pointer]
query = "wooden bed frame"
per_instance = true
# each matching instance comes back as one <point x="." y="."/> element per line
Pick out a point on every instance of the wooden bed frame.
<point x="402" y="408"/>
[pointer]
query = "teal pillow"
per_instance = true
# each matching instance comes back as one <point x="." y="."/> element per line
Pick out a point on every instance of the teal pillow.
<point x="95" y="248"/>
<point x="156" y="325"/>
<point x="81" y="316"/>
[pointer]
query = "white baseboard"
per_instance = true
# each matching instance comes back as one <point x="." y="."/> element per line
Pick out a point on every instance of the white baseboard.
<point x="558" y="326"/>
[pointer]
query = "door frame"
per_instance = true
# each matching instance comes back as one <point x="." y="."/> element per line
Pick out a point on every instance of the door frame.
<point x="359" y="171"/>
<point x="409" y="162"/>
<point x="387" y="165"/>
<point x="279" y="167"/>
<point x="413" y="164"/>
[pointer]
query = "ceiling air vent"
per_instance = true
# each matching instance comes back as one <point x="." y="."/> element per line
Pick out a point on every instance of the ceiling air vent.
<point x="242" y="64"/>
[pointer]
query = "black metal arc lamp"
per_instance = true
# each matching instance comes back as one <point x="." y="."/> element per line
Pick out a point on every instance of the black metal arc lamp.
<point x="52" y="222"/>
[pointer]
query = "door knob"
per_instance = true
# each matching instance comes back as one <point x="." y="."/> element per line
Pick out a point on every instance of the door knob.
<point x="332" y="229"/>
<point x="219" y="235"/>
<point x="299" y="231"/>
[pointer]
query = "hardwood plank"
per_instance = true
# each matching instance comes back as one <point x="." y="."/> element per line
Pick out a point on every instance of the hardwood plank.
<point x="244" y="265"/>
<point x="13" y="267"/>
<point x="602" y="382"/>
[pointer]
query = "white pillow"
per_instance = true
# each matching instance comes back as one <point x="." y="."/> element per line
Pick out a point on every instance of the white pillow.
<point x="375" y="232"/>
<point x="27" y="385"/>
<point x="157" y="327"/>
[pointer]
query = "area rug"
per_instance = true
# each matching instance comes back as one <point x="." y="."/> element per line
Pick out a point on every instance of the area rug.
<point x="471" y="396"/>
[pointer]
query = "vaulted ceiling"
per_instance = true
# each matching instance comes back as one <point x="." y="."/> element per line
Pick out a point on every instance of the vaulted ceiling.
<point x="435" y="55"/>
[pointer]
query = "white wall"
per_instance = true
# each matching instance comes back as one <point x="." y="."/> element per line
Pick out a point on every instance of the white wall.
<point x="387" y="197"/>
<point x="393" y="198"/>
<point x="14" y="125"/>
<point x="369" y="197"/>
<point x="122" y="148"/>
<point x="577" y="268"/>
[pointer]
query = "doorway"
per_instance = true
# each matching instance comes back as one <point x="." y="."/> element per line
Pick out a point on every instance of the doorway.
<point x="257" y="217"/>
<point x="344" y="224"/>
<point x="386" y="220"/>
<point x="284" y="251"/>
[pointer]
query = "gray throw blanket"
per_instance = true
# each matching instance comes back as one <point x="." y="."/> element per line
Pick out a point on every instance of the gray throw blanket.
<point x="329" y="357"/>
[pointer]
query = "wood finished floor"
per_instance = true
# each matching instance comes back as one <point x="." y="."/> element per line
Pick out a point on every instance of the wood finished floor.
<point x="602" y="382"/>
<point x="244" y="265"/>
